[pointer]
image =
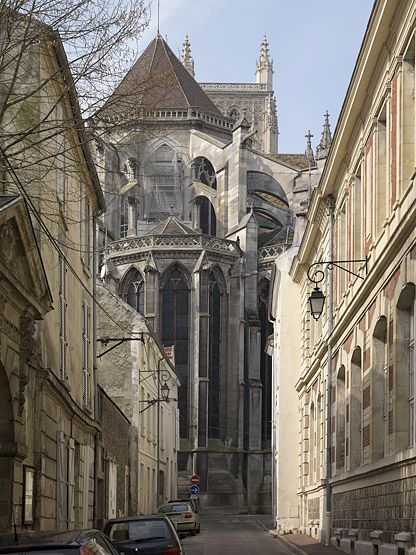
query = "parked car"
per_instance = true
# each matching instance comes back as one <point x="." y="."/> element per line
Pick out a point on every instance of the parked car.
<point x="193" y="501"/>
<point x="59" y="542"/>
<point x="183" y="515"/>
<point x="148" y="535"/>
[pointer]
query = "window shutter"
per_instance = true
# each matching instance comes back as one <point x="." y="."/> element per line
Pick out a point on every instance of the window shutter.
<point x="85" y="485"/>
<point x="112" y="490"/>
<point x="63" y="339"/>
<point x="71" y="483"/>
<point x="60" y="482"/>
<point x="85" y="354"/>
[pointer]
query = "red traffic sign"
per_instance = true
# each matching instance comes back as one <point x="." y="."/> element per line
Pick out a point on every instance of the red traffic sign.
<point x="195" y="479"/>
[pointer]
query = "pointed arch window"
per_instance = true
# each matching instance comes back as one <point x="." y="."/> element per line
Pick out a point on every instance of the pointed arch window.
<point x="175" y="331"/>
<point x="133" y="292"/>
<point x="207" y="217"/>
<point x="214" y="357"/>
<point x="266" y="329"/>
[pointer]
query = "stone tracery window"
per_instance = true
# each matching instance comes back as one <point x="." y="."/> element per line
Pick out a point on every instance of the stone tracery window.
<point x="204" y="172"/>
<point x="133" y="291"/>
<point x="175" y="331"/>
<point x="207" y="217"/>
<point x="234" y="114"/>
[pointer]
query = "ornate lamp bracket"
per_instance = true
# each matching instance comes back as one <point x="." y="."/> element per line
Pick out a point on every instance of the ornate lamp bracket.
<point x="316" y="275"/>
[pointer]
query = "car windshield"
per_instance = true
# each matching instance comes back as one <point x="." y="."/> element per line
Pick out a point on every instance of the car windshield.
<point x="174" y="508"/>
<point x="139" y="530"/>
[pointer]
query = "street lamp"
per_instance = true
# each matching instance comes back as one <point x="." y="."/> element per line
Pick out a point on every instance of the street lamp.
<point x="164" y="391"/>
<point x="317" y="298"/>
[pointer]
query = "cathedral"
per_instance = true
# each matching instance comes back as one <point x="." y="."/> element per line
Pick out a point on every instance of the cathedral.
<point x="199" y="205"/>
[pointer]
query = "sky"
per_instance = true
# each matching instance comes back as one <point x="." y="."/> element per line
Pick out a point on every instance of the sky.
<point x="314" y="46"/>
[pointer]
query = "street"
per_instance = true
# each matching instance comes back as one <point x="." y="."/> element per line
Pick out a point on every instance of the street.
<point x="232" y="535"/>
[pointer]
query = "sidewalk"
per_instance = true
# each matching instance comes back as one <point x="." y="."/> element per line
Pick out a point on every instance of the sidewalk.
<point x="302" y="544"/>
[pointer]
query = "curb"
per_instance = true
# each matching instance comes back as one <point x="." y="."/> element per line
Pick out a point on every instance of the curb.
<point x="288" y="544"/>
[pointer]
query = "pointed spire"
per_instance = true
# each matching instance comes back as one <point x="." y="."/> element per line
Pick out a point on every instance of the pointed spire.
<point x="187" y="59"/>
<point x="264" y="66"/>
<point x="326" y="139"/>
<point x="309" y="150"/>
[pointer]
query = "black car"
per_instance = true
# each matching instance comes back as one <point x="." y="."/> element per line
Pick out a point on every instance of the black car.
<point x="58" y="542"/>
<point x="144" y="535"/>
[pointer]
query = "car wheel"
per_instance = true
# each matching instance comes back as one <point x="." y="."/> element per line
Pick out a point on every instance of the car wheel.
<point x="198" y="529"/>
<point x="193" y="531"/>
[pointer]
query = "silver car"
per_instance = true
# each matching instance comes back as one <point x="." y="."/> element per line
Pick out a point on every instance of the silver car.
<point x="183" y="516"/>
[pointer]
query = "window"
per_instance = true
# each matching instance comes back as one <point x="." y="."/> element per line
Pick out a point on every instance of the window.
<point x="85" y="228"/>
<point x="175" y="331"/>
<point x="28" y="492"/>
<point x="63" y="339"/>
<point x="65" y="482"/>
<point x="207" y="217"/>
<point x="266" y="329"/>
<point x="214" y="357"/>
<point x="85" y="353"/>
<point x="124" y="216"/>
<point x="133" y="290"/>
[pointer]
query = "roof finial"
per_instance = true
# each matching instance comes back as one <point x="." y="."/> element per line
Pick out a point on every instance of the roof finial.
<point x="326" y="139"/>
<point x="309" y="151"/>
<point x="158" y="17"/>
<point x="187" y="59"/>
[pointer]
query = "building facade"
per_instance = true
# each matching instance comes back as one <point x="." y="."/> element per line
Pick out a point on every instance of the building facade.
<point x="198" y="217"/>
<point x="357" y="465"/>
<point x="133" y="371"/>
<point x="48" y="426"/>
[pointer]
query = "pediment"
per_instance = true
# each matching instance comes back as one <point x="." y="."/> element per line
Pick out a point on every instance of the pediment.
<point x="20" y="260"/>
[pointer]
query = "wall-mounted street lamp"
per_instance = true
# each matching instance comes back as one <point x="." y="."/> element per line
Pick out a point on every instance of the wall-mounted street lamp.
<point x="317" y="298"/>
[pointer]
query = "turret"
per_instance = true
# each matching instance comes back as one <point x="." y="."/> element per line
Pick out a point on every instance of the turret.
<point x="264" y="66"/>
<point x="186" y="58"/>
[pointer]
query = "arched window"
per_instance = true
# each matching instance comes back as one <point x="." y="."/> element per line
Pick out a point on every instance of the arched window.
<point x="340" y="421"/>
<point x="133" y="290"/>
<point x="175" y="331"/>
<point x="234" y="114"/>
<point x="163" y="180"/>
<point x="379" y="389"/>
<point x="355" y="409"/>
<point x="266" y="329"/>
<point x="214" y="357"/>
<point x="402" y="411"/>
<point x="207" y="218"/>
<point x="204" y="172"/>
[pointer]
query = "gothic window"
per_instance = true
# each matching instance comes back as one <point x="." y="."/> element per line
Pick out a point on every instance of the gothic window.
<point x="234" y="114"/>
<point x="207" y="217"/>
<point x="204" y="172"/>
<point x="266" y="329"/>
<point x="163" y="184"/>
<point x="214" y="357"/>
<point x="124" y="217"/>
<point x="133" y="291"/>
<point x="175" y="331"/>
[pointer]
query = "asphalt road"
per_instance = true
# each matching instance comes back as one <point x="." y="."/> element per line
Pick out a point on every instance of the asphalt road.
<point x="233" y="535"/>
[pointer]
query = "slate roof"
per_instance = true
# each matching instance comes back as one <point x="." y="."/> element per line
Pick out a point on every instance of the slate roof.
<point x="171" y="226"/>
<point x="158" y="80"/>
<point x="294" y="161"/>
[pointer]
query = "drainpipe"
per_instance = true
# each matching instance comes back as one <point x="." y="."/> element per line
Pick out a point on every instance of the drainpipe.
<point x="328" y="493"/>
<point x="94" y="365"/>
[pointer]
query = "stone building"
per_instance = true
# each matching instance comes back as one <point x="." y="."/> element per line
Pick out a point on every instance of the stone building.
<point x="356" y="382"/>
<point x="47" y="419"/>
<point x="198" y="216"/>
<point x="138" y="471"/>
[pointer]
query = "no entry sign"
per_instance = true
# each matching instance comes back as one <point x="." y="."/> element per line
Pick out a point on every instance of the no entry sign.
<point x="195" y="479"/>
